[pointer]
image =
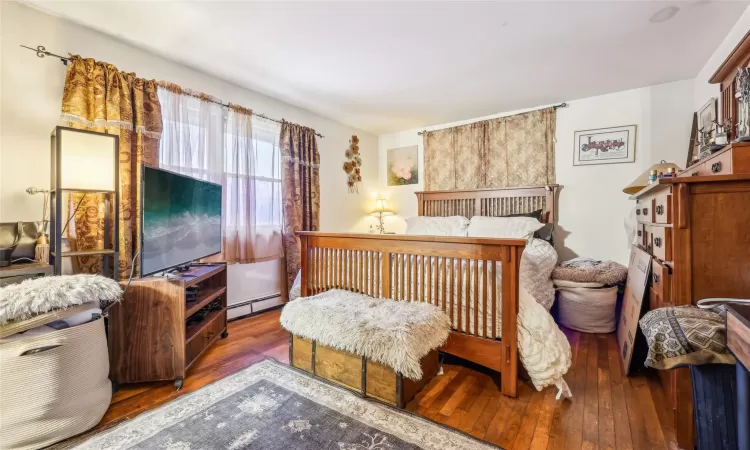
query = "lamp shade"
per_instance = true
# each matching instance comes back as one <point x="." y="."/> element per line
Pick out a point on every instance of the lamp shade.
<point x="87" y="160"/>
<point x="381" y="208"/>
<point x="642" y="180"/>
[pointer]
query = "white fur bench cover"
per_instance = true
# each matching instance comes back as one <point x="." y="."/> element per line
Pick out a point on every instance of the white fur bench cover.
<point x="396" y="334"/>
<point x="40" y="295"/>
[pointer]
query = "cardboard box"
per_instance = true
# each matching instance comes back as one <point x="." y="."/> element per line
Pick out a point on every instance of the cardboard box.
<point x="639" y="269"/>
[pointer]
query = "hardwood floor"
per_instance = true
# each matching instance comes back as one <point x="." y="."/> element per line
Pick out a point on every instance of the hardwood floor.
<point x="607" y="409"/>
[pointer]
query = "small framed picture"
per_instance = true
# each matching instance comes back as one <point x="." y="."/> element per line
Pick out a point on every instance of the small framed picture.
<point x="707" y="121"/>
<point x="707" y="115"/>
<point x="614" y="145"/>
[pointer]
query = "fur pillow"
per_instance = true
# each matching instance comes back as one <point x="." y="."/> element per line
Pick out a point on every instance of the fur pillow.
<point x="437" y="226"/>
<point x="24" y="300"/>
<point x="503" y="227"/>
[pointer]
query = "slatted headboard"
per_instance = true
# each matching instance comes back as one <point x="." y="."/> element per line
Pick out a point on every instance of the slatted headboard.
<point x="490" y="202"/>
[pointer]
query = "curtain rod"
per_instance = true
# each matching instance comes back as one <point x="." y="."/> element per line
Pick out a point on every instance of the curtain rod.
<point x="561" y="105"/>
<point x="42" y="52"/>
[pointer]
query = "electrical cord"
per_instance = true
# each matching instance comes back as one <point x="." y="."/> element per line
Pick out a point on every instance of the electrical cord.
<point x="74" y="213"/>
<point x="132" y="272"/>
<point x="21" y="259"/>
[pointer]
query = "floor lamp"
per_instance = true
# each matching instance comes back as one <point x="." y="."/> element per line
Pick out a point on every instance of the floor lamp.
<point x="84" y="162"/>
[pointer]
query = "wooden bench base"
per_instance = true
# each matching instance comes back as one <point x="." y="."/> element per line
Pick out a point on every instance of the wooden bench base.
<point x="367" y="378"/>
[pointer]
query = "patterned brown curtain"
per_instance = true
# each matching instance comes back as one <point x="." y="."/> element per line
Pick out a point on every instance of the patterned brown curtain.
<point x="300" y="190"/>
<point x="508" y="151"/>
<point x="99" y="97"/>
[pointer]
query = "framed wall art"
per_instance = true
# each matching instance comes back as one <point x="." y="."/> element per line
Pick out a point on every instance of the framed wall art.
<point x="707" y="119"/>
<point x="403" y="166"/>
<point x="604" y="146"/>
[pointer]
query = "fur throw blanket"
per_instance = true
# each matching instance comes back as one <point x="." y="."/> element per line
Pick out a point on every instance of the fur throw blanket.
<point x="40" y="295"/>
<point x="396" y="334"/>
<point x="584" y="270"/>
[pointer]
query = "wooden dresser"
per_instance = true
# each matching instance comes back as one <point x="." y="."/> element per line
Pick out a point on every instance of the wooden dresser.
<point x="697" y="229"/>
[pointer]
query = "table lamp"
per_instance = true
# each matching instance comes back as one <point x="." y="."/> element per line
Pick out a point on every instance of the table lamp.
<point x="381" y="209"/>
<point x="85" y="162"/>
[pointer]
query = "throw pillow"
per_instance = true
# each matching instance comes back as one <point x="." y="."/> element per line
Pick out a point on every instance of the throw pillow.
<point x="437" y="226"/>
<point x="503" y="227"/>
<point x="684" y="335"/>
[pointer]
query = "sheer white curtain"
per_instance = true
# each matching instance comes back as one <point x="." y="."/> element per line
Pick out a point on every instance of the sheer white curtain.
<point x="194" y="134"/>
<point x="225" y="145"/>
<point x="252" y="186"/>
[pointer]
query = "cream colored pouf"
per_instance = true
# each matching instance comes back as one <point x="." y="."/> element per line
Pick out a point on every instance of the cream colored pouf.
<point x="591" y="310"/>
<point x="53" y="386"/>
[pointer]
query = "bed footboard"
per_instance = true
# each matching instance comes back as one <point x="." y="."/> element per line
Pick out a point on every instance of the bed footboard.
<point x="468" y="278"/>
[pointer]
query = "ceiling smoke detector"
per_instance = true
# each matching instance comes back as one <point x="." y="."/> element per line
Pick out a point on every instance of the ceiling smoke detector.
<point x="664" y="14"/>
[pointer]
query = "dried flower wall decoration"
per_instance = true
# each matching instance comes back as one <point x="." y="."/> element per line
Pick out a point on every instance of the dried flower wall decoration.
<point x="353" y="165"/>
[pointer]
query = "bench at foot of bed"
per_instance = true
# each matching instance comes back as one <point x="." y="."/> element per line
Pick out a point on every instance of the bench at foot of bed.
<point x="357" y="373"/>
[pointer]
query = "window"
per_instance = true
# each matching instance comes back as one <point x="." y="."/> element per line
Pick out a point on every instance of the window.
<point x="267" y="167"/>
<point x="223" y="145"/>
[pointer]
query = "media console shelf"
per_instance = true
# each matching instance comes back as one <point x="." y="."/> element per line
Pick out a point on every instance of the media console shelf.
<point x="150" y="338"/>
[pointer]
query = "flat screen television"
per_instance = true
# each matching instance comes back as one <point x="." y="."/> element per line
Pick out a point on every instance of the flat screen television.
<point x="181" y="219"/>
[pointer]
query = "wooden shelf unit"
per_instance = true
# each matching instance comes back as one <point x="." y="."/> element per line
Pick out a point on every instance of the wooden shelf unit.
<point x="149" y="338"/>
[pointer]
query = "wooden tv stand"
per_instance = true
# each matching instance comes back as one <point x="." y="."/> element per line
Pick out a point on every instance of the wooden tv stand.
<point x="149" y="338"/>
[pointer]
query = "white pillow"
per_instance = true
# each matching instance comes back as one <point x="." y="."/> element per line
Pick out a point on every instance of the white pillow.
<point x="503" y="227"/>
<point x="437" y="226"/>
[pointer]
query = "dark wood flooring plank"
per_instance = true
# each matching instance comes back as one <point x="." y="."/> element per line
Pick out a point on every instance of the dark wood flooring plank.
<point x="475" y="410"/>
<point x="479" y="430"/>
<point x="458" y="395"/>
<point x="653" y="427"/>
<point x="529" y="421"/>
<point x="562" y="416"/>
<point x="663" y="410"/>
<point x="606" y="419"/>
<point x="591" y="397"/>
<point x="498" y="422"/>
<point x="573" y="421"/>
<point x="623" y="440"/>
<point x="637" y="421"/>
<point x="540" y="440"/>
<point x="513" y="423"/>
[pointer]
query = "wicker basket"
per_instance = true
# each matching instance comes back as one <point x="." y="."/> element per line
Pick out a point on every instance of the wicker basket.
<point x="53" y="386"/>
<point x="591" y="310"/>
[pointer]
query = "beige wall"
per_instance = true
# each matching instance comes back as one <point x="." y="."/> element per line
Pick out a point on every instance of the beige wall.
<point x="30" y="95"/>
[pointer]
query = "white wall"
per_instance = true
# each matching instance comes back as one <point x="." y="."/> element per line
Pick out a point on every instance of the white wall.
<point x="592" y="206"/>
<point x="703" y="90"/>
<point x="31" y="91"/>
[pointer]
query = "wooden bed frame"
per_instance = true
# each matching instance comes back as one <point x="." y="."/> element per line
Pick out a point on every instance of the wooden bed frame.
<point x="400" y="267"/>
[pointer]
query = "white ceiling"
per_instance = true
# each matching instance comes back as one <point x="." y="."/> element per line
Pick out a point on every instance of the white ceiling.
<point x="390" y="66"/>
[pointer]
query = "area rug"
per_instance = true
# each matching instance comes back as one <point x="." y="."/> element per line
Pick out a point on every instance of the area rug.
<point x="272" y="406"/>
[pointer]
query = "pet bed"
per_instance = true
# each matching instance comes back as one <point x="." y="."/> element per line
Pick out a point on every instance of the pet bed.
<point x="586" y="270"/>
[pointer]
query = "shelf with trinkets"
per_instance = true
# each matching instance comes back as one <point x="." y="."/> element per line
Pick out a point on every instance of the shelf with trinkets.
<point x="732" y="159"/>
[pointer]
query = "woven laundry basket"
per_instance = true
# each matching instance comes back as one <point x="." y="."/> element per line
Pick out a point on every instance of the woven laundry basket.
<point x="53" y="386"/>
<point x="591" y="310"/>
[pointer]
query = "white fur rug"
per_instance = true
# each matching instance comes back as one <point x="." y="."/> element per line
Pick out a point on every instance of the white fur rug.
<point x="40" y="295"/>
<point x="397" y="334"/>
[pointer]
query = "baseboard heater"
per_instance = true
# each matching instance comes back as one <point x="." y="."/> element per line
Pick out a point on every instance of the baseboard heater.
<point x="251" y="302"/>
